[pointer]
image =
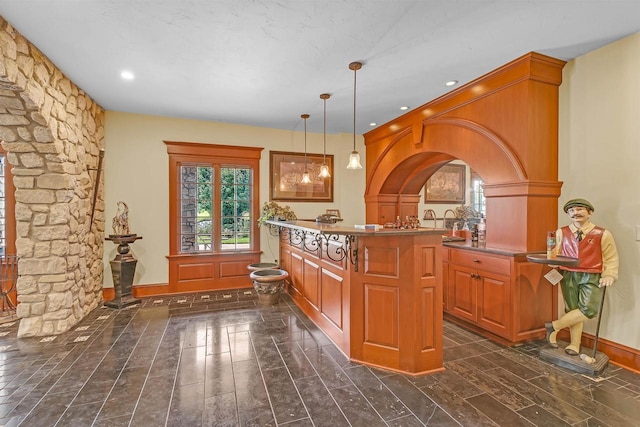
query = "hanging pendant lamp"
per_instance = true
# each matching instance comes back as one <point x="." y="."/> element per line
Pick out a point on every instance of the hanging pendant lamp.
<point x="354" y="158"/>
<point x="305" y="176"/>
<point x="324" y="169"/>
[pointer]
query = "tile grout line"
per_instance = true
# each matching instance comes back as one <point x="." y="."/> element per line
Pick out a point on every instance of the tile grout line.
<point x="146" y="378"/>
<point x="53" y="385"/>
<point x="175" y="379"/>
<point x="123" y="366"/>
<point x="284" y="362"/>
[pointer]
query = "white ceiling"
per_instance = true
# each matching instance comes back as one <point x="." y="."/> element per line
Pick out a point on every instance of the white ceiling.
<point x="265" y="63"/>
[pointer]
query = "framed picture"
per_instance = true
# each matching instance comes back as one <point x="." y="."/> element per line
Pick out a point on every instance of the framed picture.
<point x="446" y="185"/>
<point x="285" y="177"/>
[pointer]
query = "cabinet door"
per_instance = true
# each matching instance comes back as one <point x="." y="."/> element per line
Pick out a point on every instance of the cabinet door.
<point x="494" y="303"/>
<point x="462" y="292"/>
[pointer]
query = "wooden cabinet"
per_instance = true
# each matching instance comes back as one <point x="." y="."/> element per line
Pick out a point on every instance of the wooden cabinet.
<point x="479" y="288"/>
<point x="492" y="293"/>
<point x="376" y="294"/>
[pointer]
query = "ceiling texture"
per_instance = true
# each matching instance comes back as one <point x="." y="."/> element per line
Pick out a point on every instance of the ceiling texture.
<point x="264" y="63"/>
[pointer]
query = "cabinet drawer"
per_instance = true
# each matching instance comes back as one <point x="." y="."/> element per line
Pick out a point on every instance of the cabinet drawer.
<point x="492" y="263"/>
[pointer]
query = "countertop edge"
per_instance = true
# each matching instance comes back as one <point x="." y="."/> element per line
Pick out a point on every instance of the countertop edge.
<point x="466" y="245"/>
<point x="351" y="231"/>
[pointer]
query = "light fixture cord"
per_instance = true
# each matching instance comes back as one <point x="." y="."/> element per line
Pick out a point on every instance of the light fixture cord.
<point x="324" y="150"/>
<point x="305" y="144"/>
<point x="355" y="70"/>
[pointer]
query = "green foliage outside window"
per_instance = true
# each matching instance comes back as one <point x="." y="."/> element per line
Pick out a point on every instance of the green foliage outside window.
<point x="199" y="215"/>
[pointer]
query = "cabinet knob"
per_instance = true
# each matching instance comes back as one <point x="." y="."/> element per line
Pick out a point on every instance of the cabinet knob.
<point x="476" y="260"/>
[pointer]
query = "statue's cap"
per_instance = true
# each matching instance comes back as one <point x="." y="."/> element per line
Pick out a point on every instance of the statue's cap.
<point x="578" y="202"/>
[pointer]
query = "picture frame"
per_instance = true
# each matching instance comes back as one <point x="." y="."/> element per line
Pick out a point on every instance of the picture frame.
<point x="286" y="169"/>
<point x="446" y="185"/>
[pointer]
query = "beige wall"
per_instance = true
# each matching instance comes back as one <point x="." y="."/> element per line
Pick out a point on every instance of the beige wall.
<point x="599" y="145"/>
<point x="137" y="172"/>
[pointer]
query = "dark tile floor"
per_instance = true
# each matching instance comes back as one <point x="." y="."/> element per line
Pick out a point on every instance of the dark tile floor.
<point x="218" y="360"/>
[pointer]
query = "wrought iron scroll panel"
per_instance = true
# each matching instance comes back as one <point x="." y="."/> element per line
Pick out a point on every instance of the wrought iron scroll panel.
<point x="312" y="241"/>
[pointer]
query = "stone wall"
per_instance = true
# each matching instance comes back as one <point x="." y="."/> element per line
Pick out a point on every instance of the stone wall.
<point x="52" y="132"/>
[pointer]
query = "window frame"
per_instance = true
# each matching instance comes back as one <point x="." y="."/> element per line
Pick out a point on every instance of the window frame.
<point x="218" y="156"/>
<point x="9" y="207"/>
<point x="211" y="270"/>
<point x="477" y="198"/>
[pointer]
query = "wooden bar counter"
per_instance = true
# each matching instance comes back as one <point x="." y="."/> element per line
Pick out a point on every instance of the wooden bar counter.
<point x="376" y="294"/>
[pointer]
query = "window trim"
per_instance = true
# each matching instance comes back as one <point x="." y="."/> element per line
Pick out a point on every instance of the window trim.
<point x="224" y="155"/>
<point x="207" y="271"/>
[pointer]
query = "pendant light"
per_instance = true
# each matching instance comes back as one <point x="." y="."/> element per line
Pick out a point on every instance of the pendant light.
<point x="354" y="158"/>
<point x="324" y="169"/>
<point x="305" y="176"/>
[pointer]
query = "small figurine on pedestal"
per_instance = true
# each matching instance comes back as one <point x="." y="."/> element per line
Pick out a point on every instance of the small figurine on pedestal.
<point x="123" y="266"/>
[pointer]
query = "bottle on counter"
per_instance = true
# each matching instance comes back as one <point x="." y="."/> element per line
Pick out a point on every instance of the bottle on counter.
<point x="482" y="231"/>
<point x="455" y="232"/>
<point x="551" y="244"/>
<point x="474" y="236"/>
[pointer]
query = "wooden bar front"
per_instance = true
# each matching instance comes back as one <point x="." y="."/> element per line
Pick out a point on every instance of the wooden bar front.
<point x="376" y="294"/>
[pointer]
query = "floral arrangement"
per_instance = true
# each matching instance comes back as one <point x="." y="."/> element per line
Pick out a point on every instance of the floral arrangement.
<point x="465" y="212"/>
<point x="271" y="210"/>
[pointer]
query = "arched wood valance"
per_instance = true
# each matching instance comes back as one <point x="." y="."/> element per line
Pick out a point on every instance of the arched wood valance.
<point x="504" y="125"/>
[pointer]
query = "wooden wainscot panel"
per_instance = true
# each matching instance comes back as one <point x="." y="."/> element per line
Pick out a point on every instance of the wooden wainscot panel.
<point x="209" y="272"/>
<point x="296" y="273"/>
<point x="195" y="271"/>
<point x="429" y="327"/>
<point x="331" y="288"/>
<point x="428" y="262"/>
<point x="445" y="277"/>
<point x="234" y="268"/>
<point x="381" y="324"/>
<point x="285" y="261"/>
<point x="311" y="282"/>
<point x="381" y="261"/>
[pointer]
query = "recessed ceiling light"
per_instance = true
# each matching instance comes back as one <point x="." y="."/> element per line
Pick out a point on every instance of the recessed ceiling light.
<point x="404" y="107"/>
<point x="451" y="83"/>
<point x="372" y="124"/>
<point x="127" y="75"/>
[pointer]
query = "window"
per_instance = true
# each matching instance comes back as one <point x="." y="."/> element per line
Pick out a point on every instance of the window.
<point x="213" y="212"/>
<point x="215" y="197"/>
<point x="478" y="201"/>
<point x="7" y="205"/>
<point x="3" y="233"/>
<point x="235" y="197"/>
<point x="196" y="203"/>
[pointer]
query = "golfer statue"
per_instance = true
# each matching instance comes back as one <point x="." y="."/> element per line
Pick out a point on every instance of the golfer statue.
<point x="582" y="284"/>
